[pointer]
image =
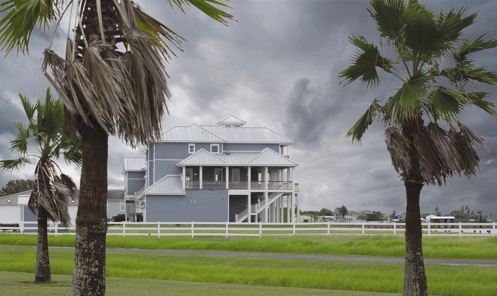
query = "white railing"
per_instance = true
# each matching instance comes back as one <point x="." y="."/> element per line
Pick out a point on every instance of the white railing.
<point x="227" y="229"/>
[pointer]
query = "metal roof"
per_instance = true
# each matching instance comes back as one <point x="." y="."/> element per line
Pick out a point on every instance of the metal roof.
<point x="23" y="200"/>
<point x="12" y="199"/>
<point x="136" y="163"/>
<point x="231" y="121"/>
<point x="169" y="185"/>
<point x="204" y="157"/>
<point x="270" y="158"/>
<point x="248" y="134"/>
<point x="266" y="157"/>
<point x="192" y="133"/>
<point x="230" y="129"/>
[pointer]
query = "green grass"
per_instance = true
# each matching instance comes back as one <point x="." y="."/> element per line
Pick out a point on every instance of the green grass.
<point x="21" y="284"/>
<point x="266" y="273"/>
<point x="380" y="246"/>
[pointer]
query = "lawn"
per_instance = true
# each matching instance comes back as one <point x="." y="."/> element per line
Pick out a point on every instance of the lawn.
<point x="256" y="273"/>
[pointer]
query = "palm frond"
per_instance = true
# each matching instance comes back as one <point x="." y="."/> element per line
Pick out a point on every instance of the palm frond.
<point x="407" y="102"/>
<point x="478" y="99"/>
<point x="446" y="104"/>
<point x="157" y="30"/>
<point x="20" y="143"/>
<point x="20" y="19"/>
<point x="481" y="43"/>
<point x="398" y="147"/>
<point x="148" y="79"/>
<point x="389" y="17"/>
<point x="107" y="83"/>
<point x="206" y="6"/>
<point x="365" y="62"/>
<point x="360" y="127"/>
<point x="431" y="162"/>
<point x="13" y="164"/>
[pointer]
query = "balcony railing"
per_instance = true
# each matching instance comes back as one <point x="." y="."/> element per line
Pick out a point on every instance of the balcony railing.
<point x="257" y="185"/>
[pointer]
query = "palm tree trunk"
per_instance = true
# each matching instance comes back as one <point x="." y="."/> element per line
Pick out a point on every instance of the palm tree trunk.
<point x="414" y="270"/>
<point x="91" y="221"/>
<point x="42" y="273"/>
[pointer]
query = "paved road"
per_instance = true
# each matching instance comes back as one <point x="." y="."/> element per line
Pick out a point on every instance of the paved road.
<point x="344" y="258"/>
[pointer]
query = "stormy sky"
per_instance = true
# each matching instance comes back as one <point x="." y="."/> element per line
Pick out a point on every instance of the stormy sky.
<point x="277" y="65"/>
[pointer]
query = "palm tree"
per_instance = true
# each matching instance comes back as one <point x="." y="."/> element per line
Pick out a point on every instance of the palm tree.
<point x="51" y="189"/>
<point x="112" y="81"/>
<point x="343" y="211"/>
<point x="423" y="133"/>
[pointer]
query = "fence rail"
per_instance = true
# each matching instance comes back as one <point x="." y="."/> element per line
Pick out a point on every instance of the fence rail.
<point x="230" y="229"/>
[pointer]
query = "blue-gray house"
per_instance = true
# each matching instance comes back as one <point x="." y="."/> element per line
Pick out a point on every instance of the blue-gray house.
<point x="213" y="173"/>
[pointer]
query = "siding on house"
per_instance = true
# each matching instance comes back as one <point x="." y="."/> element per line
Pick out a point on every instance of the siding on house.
<point x="232" y="147"/>
<point x="195" y="206"/>
<point x="166" y="167"/>
<point x="135" y="185"/>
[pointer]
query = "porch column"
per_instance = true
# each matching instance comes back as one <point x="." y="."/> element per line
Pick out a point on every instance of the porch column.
<point x="265" y="206"/>
<point x="227" y="177"/>
<point x="200" y="177"/>
<point x="183" y="179"/>
<point x="249" y="197"/>
<point x="292" y="207"/>
<point x="298" y="206"/>
<point x="288" y="205"/>
<point x="249" y="179"/>
<point x="249" y="208"/>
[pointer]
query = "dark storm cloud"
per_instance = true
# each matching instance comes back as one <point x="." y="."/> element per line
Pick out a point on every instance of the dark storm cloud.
<point x="277" y="66"/>
<point x="11" y="113"/>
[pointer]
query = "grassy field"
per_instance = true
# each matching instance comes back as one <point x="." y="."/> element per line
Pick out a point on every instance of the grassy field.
<point x="381" y="246"/>
<point x="247" y="274"/>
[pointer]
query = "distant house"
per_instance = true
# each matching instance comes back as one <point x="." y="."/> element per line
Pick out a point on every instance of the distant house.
<point x="351" y="216"/>
<point x="213" y="173"/>
<point x="440" y="219"/>
<point x="14" y="208"/>
<point x="115" y="203"/>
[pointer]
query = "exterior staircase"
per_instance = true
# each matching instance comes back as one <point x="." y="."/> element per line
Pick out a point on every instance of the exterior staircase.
<point x="259" y="207"/>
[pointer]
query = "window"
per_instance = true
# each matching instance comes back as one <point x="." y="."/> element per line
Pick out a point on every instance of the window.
<point x="215" y="148"/>
<point x="191" y="148"/>
<point x="235" y="174"/>
<point x="121" y="206"/>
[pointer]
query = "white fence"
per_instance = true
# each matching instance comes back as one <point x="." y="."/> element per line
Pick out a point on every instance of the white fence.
<point x="229" y="229"/>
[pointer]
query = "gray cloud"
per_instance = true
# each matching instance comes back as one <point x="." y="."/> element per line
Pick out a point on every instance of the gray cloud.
<point x="278" y="66"/>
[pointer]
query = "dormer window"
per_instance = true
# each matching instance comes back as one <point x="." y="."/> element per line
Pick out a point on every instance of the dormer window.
<point x="214" y="148"/>
<point x="191" y="148"/>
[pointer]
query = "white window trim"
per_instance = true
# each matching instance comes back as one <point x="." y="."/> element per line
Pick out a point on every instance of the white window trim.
<point x="218" y="148"/>
<point x="190" y="146"/>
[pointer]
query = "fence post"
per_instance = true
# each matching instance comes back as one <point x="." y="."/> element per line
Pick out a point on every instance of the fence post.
<point x="56" y="228"/>
<point x="493" y="229"/>
<point x="21" y="227"/>
<point x="124" y="228"/>
<point x="429" y="228"/>
<point x="260" y="229"/>
<point x="158" y="228"/>
<point x="329" y="223"/>
<point x="294" y="228"/>
<point x="395" y="228"/>
<point x="227" y="223"/>
<point x="193" y="230"/>
<point x="460" y="229"/>
<point x="363" y="228"/>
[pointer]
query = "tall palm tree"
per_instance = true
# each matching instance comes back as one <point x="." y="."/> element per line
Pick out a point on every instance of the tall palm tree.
<point x="423" y="133"/>
<point x="47" y="135"/>
<point x="112" y="81"/>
